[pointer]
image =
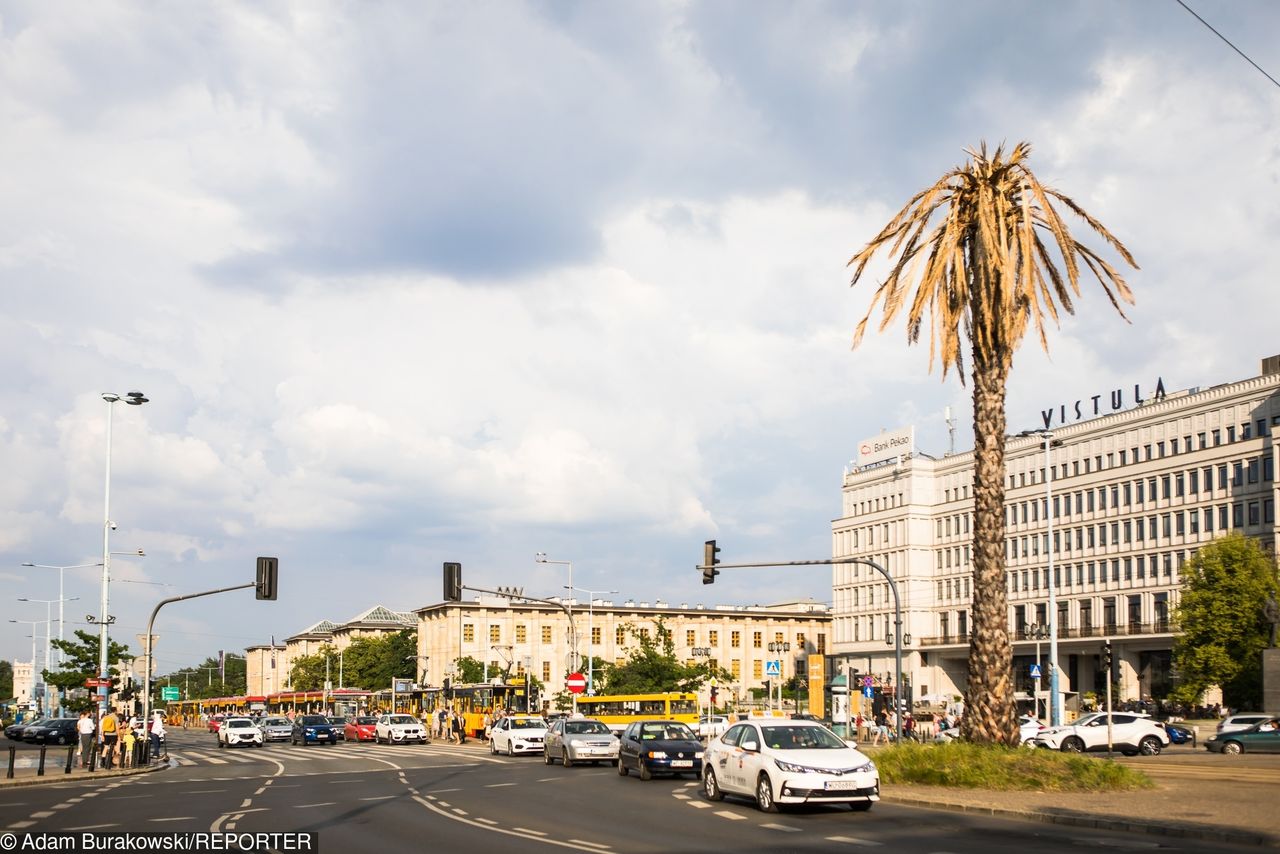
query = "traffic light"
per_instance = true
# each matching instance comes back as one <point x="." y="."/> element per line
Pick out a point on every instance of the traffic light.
<point x="452" y="582"/>
<point x="709" y="561"/>
<point x="448" y="692"/>
<point x="265" y="586"/>
<point x="768" y="688"/>
<point x="1106" y="656"/>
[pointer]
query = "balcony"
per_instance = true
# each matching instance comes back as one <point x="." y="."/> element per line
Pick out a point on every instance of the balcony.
<point x="1159" y="627"/>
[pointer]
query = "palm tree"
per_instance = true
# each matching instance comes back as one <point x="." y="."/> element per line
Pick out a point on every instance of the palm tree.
<point x="984" y="271"/>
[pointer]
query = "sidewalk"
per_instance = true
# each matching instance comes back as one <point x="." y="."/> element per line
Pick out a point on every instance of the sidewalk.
<point x="26" y="767"/>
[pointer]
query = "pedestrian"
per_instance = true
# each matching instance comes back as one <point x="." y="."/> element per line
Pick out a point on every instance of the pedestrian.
<point x="909" y="726"/>
<point x="127" y="741"/>
<point x="156" y="738"/>
<point x="488" y="724"/>
<point x="110" y="737"/>
<point x="442" y="719"/>
<point x="87" y="731"/>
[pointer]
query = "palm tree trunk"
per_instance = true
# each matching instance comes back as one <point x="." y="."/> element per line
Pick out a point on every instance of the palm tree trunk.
<point x="990" y="713"/>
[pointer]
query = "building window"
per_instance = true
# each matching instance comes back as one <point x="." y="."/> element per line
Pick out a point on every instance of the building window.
<point x="468" y="633"/>
<point x="1231" y="433"/>
<point x="1268" y="468"/>
<point x="713" y="637"/>
<point x="1252" y="471"/>
<point x="735" y="639"/>
<point x="822" y="643"/>
<point x="690" y="637"/>
<point x="521" y="630"/>
<point x="620" y="635"/>
<point x="1222" y="517"/>
<point x="1237" y="474"/>
<point x="1222" y="476"/>
<point x="1193" y="478"/>
<point x="1268" y="511"/>
<point x="1164" y="487"/>
<point x="597" y="635"/>
<point x="546" y="671"/>
<point x="757" y="670"/>
<point x="757" y="639"/>
<point x="1255" y="517"/>
<point x="736" y="669"/>
<point x="1237" y="515"/>
<point x="1142" y="566"/>
<point x="1137" y="485"/>
<point x="495" y="634"/>
<point x="546" y="634"/>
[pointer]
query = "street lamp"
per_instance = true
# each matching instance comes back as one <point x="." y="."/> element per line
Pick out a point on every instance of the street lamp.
<point x="133" y="398"/>
<point x="1055" y="695"/>
<point x="62" y="656"/>
<point x="541" y="557"/>
<point x="1039" y="632"/>
<point x="782" y="647"/>
<point x="591" y="641"/>
<point x="48" y="633"/>
<point x="424" y="677"/>
<point x="32" y="624"/>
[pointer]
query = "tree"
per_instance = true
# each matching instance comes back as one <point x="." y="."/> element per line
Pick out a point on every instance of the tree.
<point x="6" y="678"/>
<point x="308" y="671"/>
<point x="206" y="679"/>
<point x="651" y="667"/>
<point x="470" y="671"/>
<point x="984" y="274"/>
<point x="81" y="664"/>
<point x="1224" y="587"/>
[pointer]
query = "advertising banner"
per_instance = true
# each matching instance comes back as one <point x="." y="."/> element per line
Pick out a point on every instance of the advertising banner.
<point x="886" y="446"/>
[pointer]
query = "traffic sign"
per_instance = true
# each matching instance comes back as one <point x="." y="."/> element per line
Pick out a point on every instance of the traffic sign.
<point x="170" y="693"/>
<point x="1035" y="671"/>
<point x="866" y="682"/>
<point x="97" y="683"/>
<point x="576" y="683"/>
<point x="773" y="668"/>
<point x="868" y="691"/>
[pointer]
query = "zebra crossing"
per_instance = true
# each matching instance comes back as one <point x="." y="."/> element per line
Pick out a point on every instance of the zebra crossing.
<point x="286" y="752"/>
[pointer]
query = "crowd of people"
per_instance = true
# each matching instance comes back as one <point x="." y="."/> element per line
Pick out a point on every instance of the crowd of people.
<point x="116" y="741"/>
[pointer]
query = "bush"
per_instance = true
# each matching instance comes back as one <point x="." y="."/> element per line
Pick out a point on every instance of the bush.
<point x="1004" y="769"/>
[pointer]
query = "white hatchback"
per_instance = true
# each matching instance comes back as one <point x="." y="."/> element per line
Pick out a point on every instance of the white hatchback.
<point x="399" y="729"/>
<point x="789" y="762"/>
<point x="239" y="731"/>
<point x="518" y="734"/>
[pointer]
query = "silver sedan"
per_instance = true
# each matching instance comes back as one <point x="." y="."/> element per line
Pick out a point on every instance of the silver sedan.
<point x="580" y="740"/>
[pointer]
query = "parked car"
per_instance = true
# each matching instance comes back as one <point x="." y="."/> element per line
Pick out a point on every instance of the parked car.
<point x="1242" y="721"/>
<point x="1180" y="733"/>
<point x="339" y="727"/>
<point x="1262" y="737"/>
<point x="312" y="729"/>
<point x="577" y="740"/>
<point x="241" y="732"/>
<point x="52" y="731"/>
<point x="14" y="731"/>
<point x="360" y="728"/>
<point x="518" y="734"/>
<point x="1131" y="734"/>
<point x="215" y="721"/>
<point x="709" y="726"/>
<point x="789" y="762"/>
<point x="399" y="729"/>
<point x="276" y="729"/>
<point x="659" y="747"/>
<point x="1029" y="727"/>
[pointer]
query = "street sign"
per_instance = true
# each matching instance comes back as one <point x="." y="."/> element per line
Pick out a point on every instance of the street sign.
<point x="868" y="691"/>
<point x="866" y="682"/>
<point x="1035" y="671"/>
<point x="773" y="668"/>
<point x="170" y="693"/>
<point x="575" y="683"/>
<point x="97" y="683"/>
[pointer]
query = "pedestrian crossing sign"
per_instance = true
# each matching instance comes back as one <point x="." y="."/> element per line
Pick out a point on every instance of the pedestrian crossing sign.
<point x="773" y="668"/>
<point x="1035" y="671"/>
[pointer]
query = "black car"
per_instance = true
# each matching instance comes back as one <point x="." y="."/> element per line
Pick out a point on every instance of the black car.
<point x="339" y="727"/>
<point x="52" y="731"/>
<point x="312" y="729"/>
<point x="13" y="732"/>
<point x="660" y="747"/>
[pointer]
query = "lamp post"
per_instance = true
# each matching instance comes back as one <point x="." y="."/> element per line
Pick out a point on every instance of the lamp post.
<point x="1055" y="694"/>
<point x="133" y="398"/>
<point x="591" y="641"/>
<point x="422" y="674"/>
<point x="48" y="633"/>
<point x="62" y="656"/>
<point x="782" y="647"/>
<point x="1038" y="632"/>
<point x="541" y="557"/>
<point x="32" y="624"/>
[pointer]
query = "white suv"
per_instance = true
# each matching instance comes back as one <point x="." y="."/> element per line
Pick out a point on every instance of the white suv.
<point x="1131" y="734"/>
<point x="400" y="729"/>
<point x="1242" y="721"/>
<point x="239" y="731"/>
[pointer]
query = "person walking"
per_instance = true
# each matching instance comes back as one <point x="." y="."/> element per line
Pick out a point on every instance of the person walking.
<point x="87" y="730"/>
<point x="110" y="737"/>
<point x="159" y="749"/>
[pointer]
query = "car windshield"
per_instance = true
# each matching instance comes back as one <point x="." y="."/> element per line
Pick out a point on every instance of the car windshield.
<point x="801" y="738"/>
<point x="337" y="720"/>
<point x="313" y="720"/>
<point x="528" y="723"/>
<point x="366" y="721"/>
<point x="240" y="724"/>
<point x="672" y="731"/>
<point x="275" y="722"/>
<point x="402" y="719"/>
<point x="585" y="728"/>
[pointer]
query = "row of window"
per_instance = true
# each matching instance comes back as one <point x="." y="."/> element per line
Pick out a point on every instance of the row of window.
<point x="1137" y="567"/>
<point x="620" y="636"/>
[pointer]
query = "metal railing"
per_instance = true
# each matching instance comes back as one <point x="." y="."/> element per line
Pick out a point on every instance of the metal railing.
<point x="1159" y="627"/>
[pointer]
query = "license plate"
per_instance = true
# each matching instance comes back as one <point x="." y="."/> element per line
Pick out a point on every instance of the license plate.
<point x="833" y="785"/>
<point x="682" y="763"/>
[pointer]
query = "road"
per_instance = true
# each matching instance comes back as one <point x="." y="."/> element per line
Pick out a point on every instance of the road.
<point x="461" y="799"/>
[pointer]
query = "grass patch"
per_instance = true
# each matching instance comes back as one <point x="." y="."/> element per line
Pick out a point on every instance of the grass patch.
<point x="976" y="766"/>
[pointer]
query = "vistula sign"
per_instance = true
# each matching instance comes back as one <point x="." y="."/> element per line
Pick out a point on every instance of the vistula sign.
<point x="886" y="446"/>
<point x="1092" y="407"/>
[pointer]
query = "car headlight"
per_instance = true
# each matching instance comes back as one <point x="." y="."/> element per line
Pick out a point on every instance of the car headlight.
<point x="792" y="768"/>
<point x="698" y="755"/>
<point x="657" y="754"/>
<point x="869" y="766"/>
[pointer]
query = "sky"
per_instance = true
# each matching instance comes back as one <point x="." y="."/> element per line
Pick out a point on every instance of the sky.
<point x="408" y="283"/>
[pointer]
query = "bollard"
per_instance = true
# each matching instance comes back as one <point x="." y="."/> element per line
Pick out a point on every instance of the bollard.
<point x="12" y="755"/>
<point x="71" y="756"/>
<point x="93" y="757"/>
<point x="40" y="767"/>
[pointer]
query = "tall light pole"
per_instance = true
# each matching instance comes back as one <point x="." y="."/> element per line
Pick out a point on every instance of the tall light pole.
<point x="62" y="656"/>
<point x="32" y="624"/>
<point x="1038" y="632"/>
<point x="591" y="641"/>
<point x="48" y="634"/>
<point x="541" y="557"/>
<point x="1055" y="694"/>
<point x="133" y="398"/>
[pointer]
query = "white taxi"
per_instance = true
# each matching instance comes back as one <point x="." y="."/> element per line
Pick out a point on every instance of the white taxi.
<point x="788" y="762"/>
<point x="239" y="731"/>
<point x="399" y="729"/>
<point x="518" y="734"/>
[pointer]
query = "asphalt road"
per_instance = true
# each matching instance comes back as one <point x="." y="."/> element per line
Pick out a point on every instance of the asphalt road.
<point x="394" y="798"/>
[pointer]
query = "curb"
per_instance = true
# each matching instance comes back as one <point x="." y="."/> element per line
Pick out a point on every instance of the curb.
<point x="85" y="777"/>
<point x="1124" y="825"/>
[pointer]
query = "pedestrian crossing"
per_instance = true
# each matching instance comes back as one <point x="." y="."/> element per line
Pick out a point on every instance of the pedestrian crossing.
<point x="281" y="752"/>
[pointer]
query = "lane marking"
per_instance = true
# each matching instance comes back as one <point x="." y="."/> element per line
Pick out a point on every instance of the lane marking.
<point x="309" y="806"/>
<point x="459" y="812"/>
<point x="732" y="816"/>
<point x="528" y="831"/>
<point x="523" y="835"/>
<point x="849" y="840"/>
<point x="498" y="785"/>
<point x="597" y="845"/>
<point x="488" y="821"/>
<point x="176" y="818"/>
<point x="21" y="824"/>
<point x="782" y="827"/>
<point x="92" y="826"/>
<point x="42" y="814"/>
<point x="378" y="798"/>
<point x="699" y="805"/>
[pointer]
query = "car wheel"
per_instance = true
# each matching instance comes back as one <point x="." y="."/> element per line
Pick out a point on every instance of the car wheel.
<point x="711" y="786"/>
<point x="1073" y="745"/>
<point x="1149" y="746"/>
<point x="860" y="806"/>
<point x="546" y="757"/>
<point x="764" y="794"/>
<point x="493" y="747"/>
<point x="511" y="751"/>
<point x="1233" y="747"/>
<point x="565" y="760"/>
<point x="622" y="768"/>
<point x="221" y="744"/>
<point x="643" y="770"/>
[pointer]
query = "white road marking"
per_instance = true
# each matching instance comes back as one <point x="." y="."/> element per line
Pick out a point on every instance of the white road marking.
<point x="732" y="816"/>
<point x="782" y="827"/>
<point x="20" y="824"/>
<point x="699" y="804"/>
<point x="486" y="821"/>
<point x="92" y="826"/>
<point x="204" y="791"/>
<point x="599" y="845"/>
<point x="459" y="812"/>
<point x="308" y="806"/>
<point x="528" y="831"/>
<point x="176" y="818"/>
<point x="378" y="798"/>
<point x="42" y="814"/>
<point x="849" y="840"/>
<point x="681" y="795"/>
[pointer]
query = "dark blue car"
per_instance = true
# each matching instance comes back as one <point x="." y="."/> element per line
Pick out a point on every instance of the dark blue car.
<point x="312" y="729"/>
<point x="660" y="747"/>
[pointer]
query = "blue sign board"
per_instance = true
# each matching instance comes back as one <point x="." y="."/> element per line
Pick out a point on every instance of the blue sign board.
<point x="1035" y="671"/>
<point x="868" y="691"/>
<point x="773" y="668"/>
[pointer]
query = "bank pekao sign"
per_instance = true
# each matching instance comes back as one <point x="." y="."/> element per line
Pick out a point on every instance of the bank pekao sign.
<point x="886" y="446"/>
<point x="1092" y="407"/>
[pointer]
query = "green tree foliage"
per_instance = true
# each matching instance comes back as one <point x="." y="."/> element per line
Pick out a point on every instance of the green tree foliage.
<point x="307" y="672"/>
<point x="1224" y="631"/>
<point x="369" y="662"/>
<point x="469" y="670"/>
<point x="81" y="664"/>
<point x="204" y="681"/>
<point x="6" y="679"/>
<point x="651" y="666"/>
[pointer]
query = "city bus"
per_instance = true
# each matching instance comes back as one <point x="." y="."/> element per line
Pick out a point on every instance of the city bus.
<point x="618" y="710"/>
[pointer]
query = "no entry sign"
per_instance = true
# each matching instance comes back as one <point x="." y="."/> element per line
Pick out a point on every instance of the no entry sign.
<point x="576" y="683"/>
